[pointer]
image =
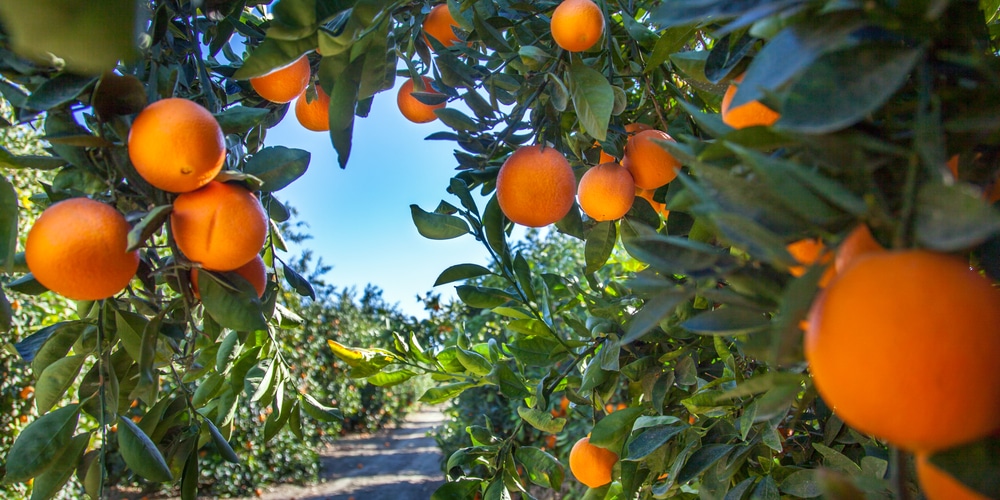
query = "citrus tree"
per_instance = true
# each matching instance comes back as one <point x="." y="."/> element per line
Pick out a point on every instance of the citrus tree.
<point x="730" y="158"/>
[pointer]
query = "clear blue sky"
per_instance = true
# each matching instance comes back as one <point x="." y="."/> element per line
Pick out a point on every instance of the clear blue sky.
<point x="359" y="218"/>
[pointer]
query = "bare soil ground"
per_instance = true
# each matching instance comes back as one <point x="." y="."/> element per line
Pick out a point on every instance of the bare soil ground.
<point x="397" y="464"/>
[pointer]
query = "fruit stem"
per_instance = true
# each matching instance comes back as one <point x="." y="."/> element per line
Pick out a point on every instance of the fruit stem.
<point x="899" y="478"/>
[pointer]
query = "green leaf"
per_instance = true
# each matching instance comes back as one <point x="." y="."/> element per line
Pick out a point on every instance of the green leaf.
<point x="56" y="380"/>
<point x="541" y="419"/>
<point x="57" y="340"/>
<point x="148" y="226"/>
<point x="272" y="54"/>
<point x="672" y="254"/>
<point x="58" y="90"/>
<point x="460" y="272"/>
<point x="510" y="383"/>
<point x="653" y="311"/>
<point x="542" y="469"/>
<point x="593" y="99"/>
<point x="445" y="392"/>
<point x="233" y="305"/>
<point x="6" y="313"/>
<point x="190" y="477"/>
<point x="701" y="460"/>
<point x="51" y="481"/>
<point x="207" y="390"/>
<point x="837" y="460"/>
<point x="973" y="464"/>
<point x="91" y="37"/>
<point x="389" y="379"/>
<point x="613" y="429"/>
<point x="277" y="166"/>
<point x="28" y="285"/>
<point x="140" y="454"/>
<point x="728" y="320"/>
<point x="844" y="86"/>
<point x="221" y="443"/>
<point x="475" y="363"/>
<point x="240" y="119"/>
<point x="437" y="226"/>
<point x="297" y="282"/>
<point x="40" y="443"/>
<point x="600" y="244"/>
<point x="319" y="411"/>
<point x="482" y="297"/>
<point x="801" y="484"/>
<point x="9" y="160"/>
<point x="456" y="120"/>
<point x="649" y="439"/>
<point x="8" y="224"/>
<point x="953" y="218"/>
<point x="669" y="42"/>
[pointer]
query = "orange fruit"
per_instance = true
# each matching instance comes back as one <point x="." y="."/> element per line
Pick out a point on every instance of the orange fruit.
<point x="412" y="109"/>
<point x="254" y="271"/>
<point x="806" y="252"/>
<point x="438" y="24"/>
<point x="606" y="192"/>
<point x="591" y="465"/>
<point x="859" y="242"/>
<point x="953" y="166"/>
<point x="564" y="404"/>
<point x="176" y="145"/>
<point x="749" y="114"/>
<point x="535" y="186"/>
<point x="550" y="441"/>
<point x="285" y="83"/>
<point x="609" y="408"/>
<point x="222" y="226"/>
<point x="647" y="194"/>
<point x="630" y="130"/>
<point x="314" y="115"/>
<point x="901" y="345"/>
<point x="577" y="25"/>
<point x="651" y="165"/>
<point x="76" y="248"/>
<point x="939" y="485"/>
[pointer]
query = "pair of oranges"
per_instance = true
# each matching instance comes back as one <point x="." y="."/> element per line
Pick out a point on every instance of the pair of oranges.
<point x="290" y="82"/>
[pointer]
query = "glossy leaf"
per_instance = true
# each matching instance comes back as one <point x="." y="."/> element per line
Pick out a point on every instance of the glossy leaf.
<point x="593" y="99"/>
<point x="233" y="305"/>
<point x="277" y="166"/>
<point x="460" y="272"/>
<point x="148" y="226"/>
<point x="47" y="484"/>
<point x="40" y="444"/>
<point x="541" y="419"/>
<point x="55" y="381"/>
<point x="437" y="226"/>
<point x="140" y="454"/>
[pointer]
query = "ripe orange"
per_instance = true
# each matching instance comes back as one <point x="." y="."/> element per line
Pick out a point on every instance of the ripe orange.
<point x="651" y="165"/>
<point x="630" y="130"/>
<point x="222" y="226"/>
<point x="438" y="25"/>
<point x="807" y="252"/>
<point x="564" y="404"/>
<point x="953" y="166"/>
<point x="76" y="248"/>
<point x="745" y="115"/>
<point x="902" y="346"/>
<point x="550" y="441"/>
<point x="577" y="25"/>
<point x="606" y="192"/>
<point x="314" y="115"/>
<point x="939" y="485"/>
<point x="176" y="145"/>
<point x="591" y="465"/>
<point x="254" y="271"/>
<point x="412" y="109"/>
<point x="535" y="186"/>
<point x="647" y="194"/>
<point x="283" y="84"/>
<point x="856" y="244"/>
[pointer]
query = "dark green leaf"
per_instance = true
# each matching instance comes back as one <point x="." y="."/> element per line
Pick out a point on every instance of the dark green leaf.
<point x="221" y="443"/>
<point x="8" y="224"/>
<point x="40" y="443"/>
<point x="973" y="464"/>
<point x="58" y="90"/>
<point x="9" y="160"/>
<point x="140" y="454"/>
<point x="801" y="484"/>
<point x="277" y="166"/>
<point x="510" y="383"/>
<point x="844" y="86"/>
<point x="593" y="99"/>
<point x="542" y="469"/>
<point x="148" y="226"/>
<point x="651" y="439"/>
<point x="55" y="381"/>
<point x="28" y="285"/>
<point x="48" y="483"/>
<point x="240" y="119"/>
<point x="437" y="226"/>
<point x="460" y="272"/>
<point x="600" y="243"/>
<point x="319" y="411"/>
<point x="233" y="305"/>
<point x="702" y="459"/>
<point x="613" y="429"/>
<point x="456" y="120"/>
<point x="729" y="320"/>
<point x="297" y="282"/>
<point x="652" y="312"/>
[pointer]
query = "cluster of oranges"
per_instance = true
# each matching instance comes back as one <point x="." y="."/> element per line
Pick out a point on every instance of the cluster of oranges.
<point x="536" y="185"/>
<point x="78" y="247"/>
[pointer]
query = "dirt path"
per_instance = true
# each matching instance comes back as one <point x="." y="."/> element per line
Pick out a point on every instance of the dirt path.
<point x="398" y="464"/>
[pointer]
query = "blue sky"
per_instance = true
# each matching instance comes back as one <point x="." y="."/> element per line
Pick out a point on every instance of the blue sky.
<point x="359" y="218"/>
